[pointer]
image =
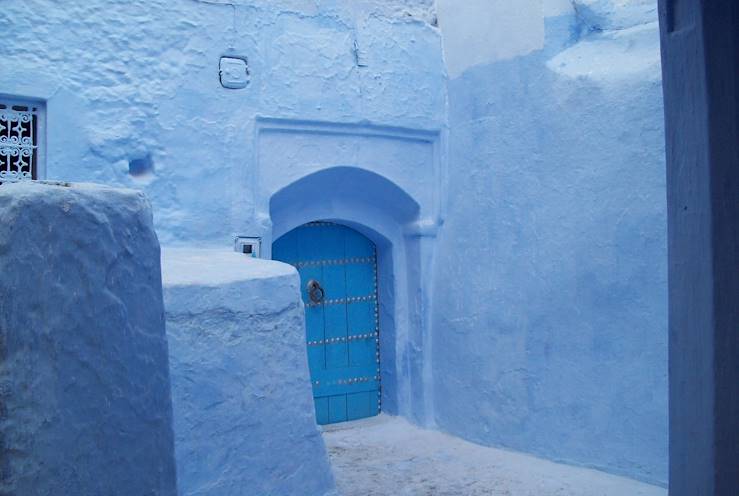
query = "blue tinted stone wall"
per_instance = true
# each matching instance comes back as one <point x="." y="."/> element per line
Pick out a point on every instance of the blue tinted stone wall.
<point x="554" y="342"/>
<point x="84" y="379"/>
<point x="529" y="286"/>
<point x="243" y="408"/>
<point x="134" y="97"/>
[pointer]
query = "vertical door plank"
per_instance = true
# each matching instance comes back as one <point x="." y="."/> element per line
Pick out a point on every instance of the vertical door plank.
<point x="322" y="411"/>
<point x="337" y="352"/>
<point x="360" y="279"/>
<point x="358" y="405"/>
<point x="357" y="245"/>
<point x="314" y="322"/>
<point x="337" y="408"/>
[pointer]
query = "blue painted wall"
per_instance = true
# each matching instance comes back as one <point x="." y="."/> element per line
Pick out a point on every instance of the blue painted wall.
<point x="241" y="393"/>
<point x="137" y="82"/>
<point x="555" y="342"/>
<point x="133" y="98"/>
<point x="85" y="402"/>
<point x="542" y="152"/>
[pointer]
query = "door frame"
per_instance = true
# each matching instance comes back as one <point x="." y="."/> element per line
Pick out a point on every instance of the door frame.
<point x="404" y="260"/>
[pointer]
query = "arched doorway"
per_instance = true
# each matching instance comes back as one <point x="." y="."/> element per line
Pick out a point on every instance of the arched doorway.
<point x="391" y="218"/>
<point x="338" y="277"/>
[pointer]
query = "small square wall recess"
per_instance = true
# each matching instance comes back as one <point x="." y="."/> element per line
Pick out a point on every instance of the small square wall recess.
<point x="251" y="246"/>
<point x="234" y="73"/>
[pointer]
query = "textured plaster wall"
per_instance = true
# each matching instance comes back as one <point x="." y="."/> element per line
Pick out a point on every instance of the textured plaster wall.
<point x="138" y="80"/>
<point x="547" y="328"/>
<point x="473" y="31"/>
<point x="556" y="342"/>
<point x="84" y="381"/>
<point x="241" y="392"/>
<point x="333" y="84"/>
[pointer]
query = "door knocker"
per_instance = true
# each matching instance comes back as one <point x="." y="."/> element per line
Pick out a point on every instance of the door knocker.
<point x="315" y="291"/>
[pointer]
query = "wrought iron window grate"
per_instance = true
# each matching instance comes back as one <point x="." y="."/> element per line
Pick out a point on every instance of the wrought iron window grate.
<point x="20" y="133"/>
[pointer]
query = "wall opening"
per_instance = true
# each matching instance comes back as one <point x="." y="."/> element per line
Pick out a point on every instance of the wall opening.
<point x="21" y="140"/>
<point x="140" y="167"/>
<point x="381" y="211"/>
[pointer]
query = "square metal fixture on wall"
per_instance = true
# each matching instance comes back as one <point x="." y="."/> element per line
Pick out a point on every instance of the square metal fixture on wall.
<point x="22" y="140"/>
<point x="233" y="72"/>
<point x="249" y="245"/>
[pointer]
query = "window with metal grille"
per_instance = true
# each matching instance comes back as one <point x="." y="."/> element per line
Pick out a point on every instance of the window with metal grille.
<point x="21" y="146"/>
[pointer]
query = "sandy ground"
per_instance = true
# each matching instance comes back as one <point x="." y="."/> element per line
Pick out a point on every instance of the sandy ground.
<point x="387" y="456"/>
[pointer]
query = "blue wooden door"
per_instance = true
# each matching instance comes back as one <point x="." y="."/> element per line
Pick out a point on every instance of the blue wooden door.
<point x="338" y="273"/>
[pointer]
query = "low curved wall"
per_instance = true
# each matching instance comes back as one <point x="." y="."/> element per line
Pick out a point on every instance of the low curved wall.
<point x="244" y="416"/>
